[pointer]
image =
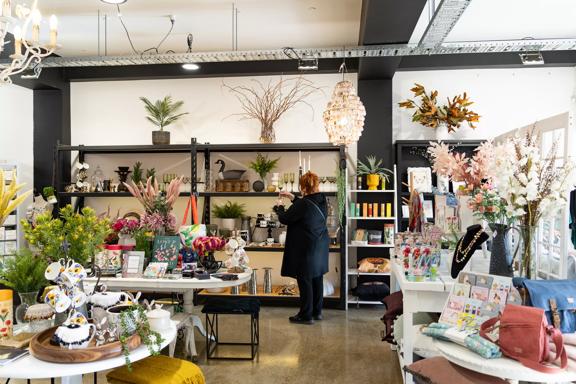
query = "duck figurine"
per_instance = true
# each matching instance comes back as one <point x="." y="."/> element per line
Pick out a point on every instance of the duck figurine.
<point x="234" y="174"/>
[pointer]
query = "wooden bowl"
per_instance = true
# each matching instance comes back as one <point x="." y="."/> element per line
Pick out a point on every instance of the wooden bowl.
<point x="41" y="349"/>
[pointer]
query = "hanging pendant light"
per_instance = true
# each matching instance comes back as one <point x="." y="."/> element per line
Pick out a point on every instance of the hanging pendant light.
<point x="344" y="114"/>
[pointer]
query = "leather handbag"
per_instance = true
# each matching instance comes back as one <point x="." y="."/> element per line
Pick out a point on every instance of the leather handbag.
<point x="524" y="336"/>
<point x="557" y="298"/>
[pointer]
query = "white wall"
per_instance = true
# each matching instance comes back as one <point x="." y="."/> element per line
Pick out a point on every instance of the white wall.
<point x="506" y="99"/>
<point x="16" y="133"/>
<point x="104" y="113"/>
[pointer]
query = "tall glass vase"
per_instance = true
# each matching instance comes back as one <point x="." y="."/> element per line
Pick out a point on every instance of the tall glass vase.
<point x="527" y="250"/>
<point x="26" y="300"/>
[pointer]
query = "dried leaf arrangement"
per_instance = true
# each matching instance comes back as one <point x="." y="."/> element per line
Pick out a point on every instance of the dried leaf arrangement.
<point x="432" y="115"/>
<point x="268" y="102"/>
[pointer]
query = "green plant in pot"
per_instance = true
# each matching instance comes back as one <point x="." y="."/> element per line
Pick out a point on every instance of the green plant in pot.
<point x="374" y="172"/>
<point x="137" y="173"/>
<point x="49" y="194"/>
<point x="229" y="214"/>
<point x="133" y="320"/>
<point x="84" y="233"/>
<point x="262" y="166"/>
<point x="24" y="273"/>
<point x="162" y="113"/>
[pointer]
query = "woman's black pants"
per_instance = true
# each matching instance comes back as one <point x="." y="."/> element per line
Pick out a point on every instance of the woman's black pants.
<point x="311" y="296"/>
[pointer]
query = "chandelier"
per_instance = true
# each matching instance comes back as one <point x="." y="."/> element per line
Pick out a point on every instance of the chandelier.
<point x="344" y="114"/>
<point x="27" y="53"/>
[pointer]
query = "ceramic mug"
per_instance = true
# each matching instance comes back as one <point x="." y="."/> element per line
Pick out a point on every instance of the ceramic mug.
<point x="76" y="269"/>
<point x="56" y="268"/>
<point x="76" y="318"/>
<point x="69" y="279"/>
<point x="74" y="336"/>
<point x="79" y="297"/>
<point x="58" y="300"/>
<point x="106" y="300"/>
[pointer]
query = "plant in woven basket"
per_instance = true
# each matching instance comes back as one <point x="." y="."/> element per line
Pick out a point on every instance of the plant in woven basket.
<point x="263" y="165"/>
<point x="135" y="317"/>
<point x="430" y="114"/>
<point x="268" y="102"/>
<point x="163" y="112"/>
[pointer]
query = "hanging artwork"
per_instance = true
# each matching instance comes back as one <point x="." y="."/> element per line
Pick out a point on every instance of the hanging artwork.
<point x="420" y="179"/>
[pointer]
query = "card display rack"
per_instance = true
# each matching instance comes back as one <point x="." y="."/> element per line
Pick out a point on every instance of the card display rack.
<point x="10" y="231"/>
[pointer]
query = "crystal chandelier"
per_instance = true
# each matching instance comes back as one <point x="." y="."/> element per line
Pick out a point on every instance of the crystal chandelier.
<point x="26" y="52"/>
<point x="344" y="114"/>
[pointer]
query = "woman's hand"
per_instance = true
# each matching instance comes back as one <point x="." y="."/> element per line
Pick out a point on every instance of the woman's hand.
<point x="287" y="194"/>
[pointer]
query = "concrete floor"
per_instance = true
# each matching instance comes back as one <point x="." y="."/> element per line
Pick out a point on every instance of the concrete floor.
<point x="343" y="348"/>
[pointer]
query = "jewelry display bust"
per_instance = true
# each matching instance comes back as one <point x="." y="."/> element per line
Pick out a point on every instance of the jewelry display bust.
<point x="466" y="246"/>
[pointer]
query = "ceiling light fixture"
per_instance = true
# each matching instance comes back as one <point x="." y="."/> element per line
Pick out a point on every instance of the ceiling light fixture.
<point x="191" y="66"/>
<point x="532" y="58"/>
<point x="115" y="2"/>
<point x="344" y="114"/>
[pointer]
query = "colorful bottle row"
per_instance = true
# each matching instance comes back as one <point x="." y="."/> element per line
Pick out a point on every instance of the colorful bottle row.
<point x="371" y="209"/>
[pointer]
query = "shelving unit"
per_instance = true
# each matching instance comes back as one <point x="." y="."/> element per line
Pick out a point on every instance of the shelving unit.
<point x="355" y="252"/>
<point x="206" y="150"/>
<point x="10" y="231"/>
<point x="412" y="153"/>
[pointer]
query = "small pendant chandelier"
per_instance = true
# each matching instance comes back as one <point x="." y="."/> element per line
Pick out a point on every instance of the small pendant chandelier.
<point x="27" y="53"/>
<point x="344" y="114"/>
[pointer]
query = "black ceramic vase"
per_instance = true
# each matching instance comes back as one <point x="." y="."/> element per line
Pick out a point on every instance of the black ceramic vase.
<point x="501" y="254"/>
<point x="258" y="186"/>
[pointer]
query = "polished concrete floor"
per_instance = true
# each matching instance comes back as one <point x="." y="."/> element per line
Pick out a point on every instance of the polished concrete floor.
<point x="343" y="348"/>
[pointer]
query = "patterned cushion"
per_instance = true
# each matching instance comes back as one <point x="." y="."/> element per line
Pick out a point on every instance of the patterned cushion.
<point x="158" y="370"/>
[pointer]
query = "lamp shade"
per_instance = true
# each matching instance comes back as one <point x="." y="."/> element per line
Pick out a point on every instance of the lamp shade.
<point x="344" y="115"/>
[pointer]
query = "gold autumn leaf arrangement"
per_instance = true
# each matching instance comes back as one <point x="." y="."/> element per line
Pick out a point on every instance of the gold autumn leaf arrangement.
<point x="430" y="114"/>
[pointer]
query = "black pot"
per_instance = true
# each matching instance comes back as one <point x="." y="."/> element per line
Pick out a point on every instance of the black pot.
<point x="160" y="137"/>
<point x="258" y="186"/>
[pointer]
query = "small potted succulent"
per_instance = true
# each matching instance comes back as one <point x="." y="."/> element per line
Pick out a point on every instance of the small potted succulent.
<point x="262" y="166"/>
<point x="374" y="172"/>
<point x="229" y="214"/>
<point x="162" y="113"/>
<point x="49" y="194"/>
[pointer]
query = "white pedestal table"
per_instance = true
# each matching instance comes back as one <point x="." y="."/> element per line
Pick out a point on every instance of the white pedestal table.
<point x="29" y="367"/>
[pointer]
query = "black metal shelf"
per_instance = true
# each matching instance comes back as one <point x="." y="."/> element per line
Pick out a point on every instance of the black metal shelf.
<point x="186" y="148"/>
<point x="183" y="194"/>
<point x="103" y="194"/>
<point x="280" y="249"/>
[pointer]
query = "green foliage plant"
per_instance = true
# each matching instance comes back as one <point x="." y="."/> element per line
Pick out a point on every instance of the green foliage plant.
<point x="373" y="166"/>
<point x="24" y="272"/>
<point x="229" y="210"/>
<point x="163" y="112"/>
<point x="262" y="165"/>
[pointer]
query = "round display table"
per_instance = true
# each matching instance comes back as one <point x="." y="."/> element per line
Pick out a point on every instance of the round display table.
<point x="29" y="367"/>
<point x="503" y="367"/>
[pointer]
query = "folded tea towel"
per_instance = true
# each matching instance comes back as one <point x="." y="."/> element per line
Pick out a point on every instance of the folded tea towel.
<point x="473" y="342"/>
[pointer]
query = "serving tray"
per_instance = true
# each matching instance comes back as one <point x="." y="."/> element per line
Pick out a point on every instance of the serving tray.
<point x="41" y="349"/>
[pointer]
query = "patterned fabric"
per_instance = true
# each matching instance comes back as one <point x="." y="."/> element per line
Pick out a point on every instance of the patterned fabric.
<point x="473" y="342"/>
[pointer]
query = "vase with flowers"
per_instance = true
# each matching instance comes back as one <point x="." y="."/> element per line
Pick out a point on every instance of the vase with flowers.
<point x="126" y="228"/>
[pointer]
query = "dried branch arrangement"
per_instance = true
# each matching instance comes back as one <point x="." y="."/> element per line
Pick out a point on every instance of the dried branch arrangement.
<point x="268" y="102"/>
<point x="432" y="115"/>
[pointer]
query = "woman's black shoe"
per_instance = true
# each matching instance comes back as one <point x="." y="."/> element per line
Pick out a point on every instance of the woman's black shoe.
<point x="317" y="317"/>
<point x="300" y="320"/>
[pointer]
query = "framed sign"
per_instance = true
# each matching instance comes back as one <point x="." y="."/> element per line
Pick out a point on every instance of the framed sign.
<point x="166" y="249"/>
<point x="133" y="264"/>
<point x="420" y="179"/>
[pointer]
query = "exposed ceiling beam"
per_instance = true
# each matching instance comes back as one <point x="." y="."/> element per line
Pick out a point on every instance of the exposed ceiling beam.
<point x="444" y="19"/>
<point x="390" y="50"/>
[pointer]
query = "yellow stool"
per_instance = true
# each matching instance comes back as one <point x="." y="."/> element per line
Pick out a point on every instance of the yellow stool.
<point x="158" y="370"/>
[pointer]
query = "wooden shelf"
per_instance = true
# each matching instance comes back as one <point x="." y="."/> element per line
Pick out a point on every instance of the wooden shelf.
<point x="354" y="272"/>
<point x="274" y="248"/>
<point x="368" y="191"/>
<point x="371" y="246"/>
<point x="354" y="300"/>
<point x="226" y="292"/>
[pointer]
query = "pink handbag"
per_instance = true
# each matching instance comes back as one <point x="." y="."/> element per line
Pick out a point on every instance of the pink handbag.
<point x="523" y="336"/>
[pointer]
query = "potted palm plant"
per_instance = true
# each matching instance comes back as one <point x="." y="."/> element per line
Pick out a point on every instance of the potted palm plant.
<point x="374" y="172"/>
<point x="162" y="113"/>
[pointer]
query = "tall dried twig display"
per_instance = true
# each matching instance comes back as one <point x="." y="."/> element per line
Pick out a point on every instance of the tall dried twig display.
<point x="268" y="102"/>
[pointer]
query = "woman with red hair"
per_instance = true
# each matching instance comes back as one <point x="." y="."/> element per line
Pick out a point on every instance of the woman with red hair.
<point x="306" y="249"/>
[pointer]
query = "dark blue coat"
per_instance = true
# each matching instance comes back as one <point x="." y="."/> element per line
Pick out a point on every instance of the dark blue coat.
<point x="307" y="241"/>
